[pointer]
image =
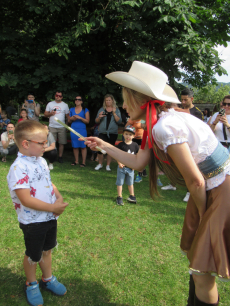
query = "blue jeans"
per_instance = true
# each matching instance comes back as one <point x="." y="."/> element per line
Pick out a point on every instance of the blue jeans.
<point x="125" y="174"/>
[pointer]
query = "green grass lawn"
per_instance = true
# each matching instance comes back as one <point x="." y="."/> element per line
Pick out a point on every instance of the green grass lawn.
<point x="107" y="254"/>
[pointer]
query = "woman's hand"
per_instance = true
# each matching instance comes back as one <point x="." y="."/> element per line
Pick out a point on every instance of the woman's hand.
<point x="218" y="118"/>
<point x="101" y="115"/>
<point x="224" y="120"/>
<point x="93" y="142"/>
<point x="77" y="117"/>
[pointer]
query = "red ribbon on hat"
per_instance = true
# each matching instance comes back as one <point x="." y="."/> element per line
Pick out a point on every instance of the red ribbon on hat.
<point x="153" y="122"/>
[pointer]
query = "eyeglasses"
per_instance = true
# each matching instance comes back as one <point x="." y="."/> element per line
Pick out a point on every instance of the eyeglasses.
<point x="40" y="143"/>
<point x="58" y="96"/>
<point x="226" y="104"/>
<point x="78" y="99"/>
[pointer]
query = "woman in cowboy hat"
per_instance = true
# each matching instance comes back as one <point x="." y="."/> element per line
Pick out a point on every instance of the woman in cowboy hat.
<point x="187" y="151"/>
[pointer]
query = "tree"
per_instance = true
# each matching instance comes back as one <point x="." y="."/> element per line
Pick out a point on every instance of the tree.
<point x="70" y="45"/>
<point x="211" y="94"/>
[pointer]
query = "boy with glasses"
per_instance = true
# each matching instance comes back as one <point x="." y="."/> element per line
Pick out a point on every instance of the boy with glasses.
<point x="38" y="203"/>
<point x="60" y="110"/>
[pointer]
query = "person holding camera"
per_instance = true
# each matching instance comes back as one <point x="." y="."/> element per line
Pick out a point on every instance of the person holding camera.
<point x="108" y="118"/>
<point x="32" y="107"/>
<point x="220" y="123"/>
<point x="8" y="146"/>
<point x="60" y="110"/>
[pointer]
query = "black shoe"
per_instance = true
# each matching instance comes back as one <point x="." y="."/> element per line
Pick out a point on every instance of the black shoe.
<point x="119" y="201"/>
<point x="144" y="174"/>
<point x="60" y="160"/>
<point x="132" y="199"/>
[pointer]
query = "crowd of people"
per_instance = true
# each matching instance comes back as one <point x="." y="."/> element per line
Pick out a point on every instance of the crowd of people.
<point x="159" y="133"/>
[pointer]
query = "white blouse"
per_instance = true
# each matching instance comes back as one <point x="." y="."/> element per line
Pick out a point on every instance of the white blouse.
<point x="178" y="127"/>
<point x="219" y="129"/>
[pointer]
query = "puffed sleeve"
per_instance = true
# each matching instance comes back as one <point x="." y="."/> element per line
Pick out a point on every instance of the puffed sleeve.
<point x="169" y="130"/>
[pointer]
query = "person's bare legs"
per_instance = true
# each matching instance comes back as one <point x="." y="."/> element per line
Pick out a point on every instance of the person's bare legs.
<point x="46" y="264"/>
<point x="131" y="190"/>
<point x="119" y="191"/>
<point x="205" y="288"/>
<point x="61" y="150"/>
<point x="30" y="269"/>
<point x="76" y="154"/>
<point x="109" y="159"/>
<point x="100" y="159"/>
<point x="83" y="154"/>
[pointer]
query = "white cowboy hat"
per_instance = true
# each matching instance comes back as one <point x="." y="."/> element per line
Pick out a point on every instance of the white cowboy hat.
<point x="146" y="79"/>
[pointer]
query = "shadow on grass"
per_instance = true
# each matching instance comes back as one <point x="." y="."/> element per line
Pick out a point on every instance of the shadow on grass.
<point x="79" y="292"/>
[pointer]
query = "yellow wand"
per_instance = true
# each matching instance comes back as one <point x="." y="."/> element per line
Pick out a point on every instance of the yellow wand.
<point x="76" y="133"/>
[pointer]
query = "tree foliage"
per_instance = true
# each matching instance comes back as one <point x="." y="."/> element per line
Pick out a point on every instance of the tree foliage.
<point x="211" y="94"/>
<point x="71" y="44"/>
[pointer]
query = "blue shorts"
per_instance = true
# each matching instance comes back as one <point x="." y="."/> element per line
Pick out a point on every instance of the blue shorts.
<point x="126" y="174"/>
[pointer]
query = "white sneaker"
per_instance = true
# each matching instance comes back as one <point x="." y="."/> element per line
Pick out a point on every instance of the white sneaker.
<point x="168" y="187"/>
<point x="108" y="168"/>
<point x="51" y="166"/>
<point x="98" y="167"/>
<point x="185" y="199"/>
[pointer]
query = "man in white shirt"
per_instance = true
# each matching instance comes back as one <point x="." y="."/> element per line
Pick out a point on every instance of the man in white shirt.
<point x="58" y="109"/>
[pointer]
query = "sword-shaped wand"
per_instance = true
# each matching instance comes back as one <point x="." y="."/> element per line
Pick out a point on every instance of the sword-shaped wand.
<point x="76" y="133"/>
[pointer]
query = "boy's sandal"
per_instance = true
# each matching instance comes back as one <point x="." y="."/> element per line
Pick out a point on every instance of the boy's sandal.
<point x="33" y="294"/>
<point x="74" y="164"/>
<point x="82" y="165"/>
<point x="54" y="286"/>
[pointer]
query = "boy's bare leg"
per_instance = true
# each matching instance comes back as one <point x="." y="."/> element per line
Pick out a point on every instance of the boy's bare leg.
<point x="30" y="269"/>
<point x="131" y="190"/>
<point x="46" y="264"/>
<point x="119" y="191"/>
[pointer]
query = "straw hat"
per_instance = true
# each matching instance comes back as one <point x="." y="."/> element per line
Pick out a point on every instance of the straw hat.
<point x="146" y="79"/>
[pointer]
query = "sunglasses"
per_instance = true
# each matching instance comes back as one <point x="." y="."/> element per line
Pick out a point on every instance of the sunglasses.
<point x="78" y="99"/>
<point x="226" y="104"/>
<point x="58" y="96"/>
<point x="40" y="143"/>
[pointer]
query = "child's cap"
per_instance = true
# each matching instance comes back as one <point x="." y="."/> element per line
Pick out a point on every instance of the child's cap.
<point x="130" y="128"/>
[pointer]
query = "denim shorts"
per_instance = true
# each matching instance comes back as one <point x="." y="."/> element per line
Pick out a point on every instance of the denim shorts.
<point x="39" y="237"/>
<point x="126" y="174"/>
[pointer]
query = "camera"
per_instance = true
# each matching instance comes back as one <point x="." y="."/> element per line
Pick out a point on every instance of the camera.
<point x="105" y="113"/>
<point x="222" y="112"/>
<point x="54" y="109"/>
<point x="30" y="101"/>
<point x="11" y="132"/>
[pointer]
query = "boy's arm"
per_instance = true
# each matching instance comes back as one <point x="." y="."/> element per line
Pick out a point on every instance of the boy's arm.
<point x="57" y="193"/>
<point x="25" y="198"/>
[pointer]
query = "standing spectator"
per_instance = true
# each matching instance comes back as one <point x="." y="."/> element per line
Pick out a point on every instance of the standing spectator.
<point x="10" y="109"/>
<point x="206" y="114"/>
<point x="108" y="118"/>
<point x="51" y="150"/>
<point x="8" y="146"/>
<point x="220" y="123"/>
<point x="125" y="173"/>
<point x="4" y="121"/>
<point x="32" y="107"/>
<point x="23" y="115"/>
<point x="78" y="117"/>
<point x="59" y="109"/>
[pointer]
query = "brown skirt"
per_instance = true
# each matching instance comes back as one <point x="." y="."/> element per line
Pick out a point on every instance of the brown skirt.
<point x="207" y="243"/>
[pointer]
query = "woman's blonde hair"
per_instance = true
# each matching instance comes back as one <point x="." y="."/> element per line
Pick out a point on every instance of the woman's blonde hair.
<point x="114" y="104"/>
<point x="134" y="99"/>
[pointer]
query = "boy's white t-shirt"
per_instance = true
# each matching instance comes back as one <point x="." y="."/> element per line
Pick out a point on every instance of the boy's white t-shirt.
<point x="62" y="109"/>
<point x="31" y="173"/>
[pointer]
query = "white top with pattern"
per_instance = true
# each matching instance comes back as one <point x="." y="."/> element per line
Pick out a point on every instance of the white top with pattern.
<point x="31" y="173"/>
<point x="178" y="127"/>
